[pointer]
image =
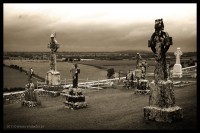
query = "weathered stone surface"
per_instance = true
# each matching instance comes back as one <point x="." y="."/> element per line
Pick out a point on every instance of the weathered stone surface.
<point x="142" y="91"/>
<point x="138" y="73"/>
<point x="163" y="114"/>
<point x="143" y="84"/>
<point x="30" y="103"/>
<point x="162" y="94"/>
<point x="75" y="99"/>
<point x="53" y="78"/>
<point x="177" y="71"/>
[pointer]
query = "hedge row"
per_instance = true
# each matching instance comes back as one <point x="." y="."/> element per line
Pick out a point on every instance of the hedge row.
<point x="13" y="89"/>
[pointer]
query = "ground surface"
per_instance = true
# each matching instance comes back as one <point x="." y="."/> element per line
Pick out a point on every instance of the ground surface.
<point x="111" y="108"/>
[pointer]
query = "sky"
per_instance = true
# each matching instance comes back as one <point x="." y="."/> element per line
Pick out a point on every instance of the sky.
<point x="96" y="27"/>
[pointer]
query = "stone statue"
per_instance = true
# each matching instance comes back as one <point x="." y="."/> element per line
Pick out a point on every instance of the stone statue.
<point x="53" y="45"/>
<point x="160" y="43"/>
<point x="75" y="71"/>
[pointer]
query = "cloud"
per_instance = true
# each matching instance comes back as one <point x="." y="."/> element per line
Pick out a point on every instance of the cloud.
<point x="104" y="30"/>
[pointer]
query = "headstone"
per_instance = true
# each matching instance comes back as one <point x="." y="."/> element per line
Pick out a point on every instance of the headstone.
<point x="75" y="99"/>
<point x="142" y="83"/>
<point x="30" y="97"/>
<point x="162" y="106"/>
<point x="177" y="69"/>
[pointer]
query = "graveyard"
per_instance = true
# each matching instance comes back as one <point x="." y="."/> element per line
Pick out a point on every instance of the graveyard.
<point x="142" y="97"/>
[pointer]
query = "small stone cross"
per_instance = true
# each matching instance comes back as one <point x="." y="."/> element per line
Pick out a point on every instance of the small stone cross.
<point x="178" y="53"/>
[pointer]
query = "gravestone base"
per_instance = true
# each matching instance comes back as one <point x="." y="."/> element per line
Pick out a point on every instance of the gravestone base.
<point x="162" y="103"/>
<point x="158" y="114"/>
<point x="53" y="78"/>
<point x="53" y="90"/>
<point x="130" y="83"/>
<point x="177" y="71"/>
<point x="142" y="87"/>
<point x="142" y="92"/>
<point x="30" y="103"/>
<point x="76" y="105"/>
<point x="138" y="73"/>
<point x="76" y="100"/>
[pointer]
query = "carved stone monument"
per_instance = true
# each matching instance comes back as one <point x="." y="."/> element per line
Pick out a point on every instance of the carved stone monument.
<point x="53" y="76"/>
<point x="162" y="106"/>
<point x="140" y="74"/>
<point x="30" y="97"/>
<point x="75" y="98"/>
<point x="177" y="69"/>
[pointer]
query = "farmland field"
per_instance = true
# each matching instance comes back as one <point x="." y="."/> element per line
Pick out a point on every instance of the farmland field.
<point x="42" y="67"/>
<point x="90" y="70"/>
<point x="14" y="78"/>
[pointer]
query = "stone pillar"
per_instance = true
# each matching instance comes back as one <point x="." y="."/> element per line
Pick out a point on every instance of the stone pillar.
<point x="53" y="61"/>
<point x="177" y="69"/>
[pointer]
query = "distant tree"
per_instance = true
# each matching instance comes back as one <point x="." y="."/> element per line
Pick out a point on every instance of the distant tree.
<point x="110" y="72"/>
<point x="191" y="62"/>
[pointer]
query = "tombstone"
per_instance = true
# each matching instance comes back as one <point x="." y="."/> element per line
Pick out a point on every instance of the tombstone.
<point x="162" y="106"/>
<point x="30" y="97"/>
<point x="52" y="79"/>
<point x="142" y="83"/>
<point x="53" y="76"/>
<point x="75" y="99"/>
<point x="177" y="69"/>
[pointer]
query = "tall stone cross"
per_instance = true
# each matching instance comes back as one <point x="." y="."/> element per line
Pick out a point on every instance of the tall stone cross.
<point x="178" y="53"/>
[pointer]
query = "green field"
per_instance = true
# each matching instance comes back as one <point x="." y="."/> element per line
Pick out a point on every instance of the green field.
<point x="90" y="70"/>
<point x="42" y="67"/>
<point x="14" y="78"/>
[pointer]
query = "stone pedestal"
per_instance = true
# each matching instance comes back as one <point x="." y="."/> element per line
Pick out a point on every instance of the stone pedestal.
<point x="75" y="99"/>
<point x="163" y="114"/>
<point x="138" y="73"/>
<point x="30" y="97"/>
<point x="177" y="71"/>
<point x="142" y="87"/>
<point x="53" y="78"/>
<point x="162" y="103"/>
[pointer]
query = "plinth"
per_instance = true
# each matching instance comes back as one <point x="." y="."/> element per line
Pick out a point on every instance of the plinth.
<point x="177" y="71"/>
<point x="142" y="87"/>
<point x="30" y="97"/>
<point x="53" y="78"/>
<point x="162" y="106"/>
<point x="75" y="99"/>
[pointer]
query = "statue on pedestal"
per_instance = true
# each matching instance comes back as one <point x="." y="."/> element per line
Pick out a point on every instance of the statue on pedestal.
<point x="75" y="71"/>
<point x="53" y="76"/>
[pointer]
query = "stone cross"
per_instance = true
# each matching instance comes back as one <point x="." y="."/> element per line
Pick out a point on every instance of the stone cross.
<point x="178" y="53"/>
<point x="138" y="58"/>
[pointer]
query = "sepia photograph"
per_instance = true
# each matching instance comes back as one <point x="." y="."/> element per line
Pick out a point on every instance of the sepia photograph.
<point x="104" y="66"/>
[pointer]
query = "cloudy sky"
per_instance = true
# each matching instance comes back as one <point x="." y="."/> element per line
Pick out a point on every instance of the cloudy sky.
<point x="96" y="27"/>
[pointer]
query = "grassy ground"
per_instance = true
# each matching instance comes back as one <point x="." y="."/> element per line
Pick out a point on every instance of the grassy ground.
<point x="112" y="108"/>
<point x="14" y="78"/>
